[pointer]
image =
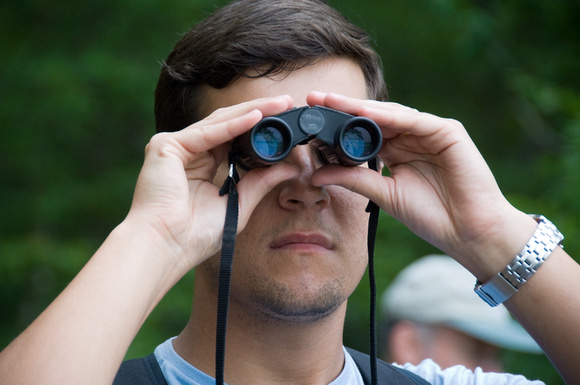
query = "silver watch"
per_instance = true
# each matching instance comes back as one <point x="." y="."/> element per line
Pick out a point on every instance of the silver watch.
<point x="508" y="281"/>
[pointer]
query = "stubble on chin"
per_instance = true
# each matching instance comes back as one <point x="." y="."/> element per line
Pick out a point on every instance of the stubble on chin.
<point x="272" y="301"/>
<point x="281" y="302"/>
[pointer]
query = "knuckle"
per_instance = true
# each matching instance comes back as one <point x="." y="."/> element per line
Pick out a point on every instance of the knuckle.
<point x="158" y="139"/>
<point x="157" y="142"/>
<point x="455" y="124"/>
<point x="218" y="112"/>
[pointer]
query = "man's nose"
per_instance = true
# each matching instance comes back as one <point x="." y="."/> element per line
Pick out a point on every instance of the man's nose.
<point x="299" y="193"/>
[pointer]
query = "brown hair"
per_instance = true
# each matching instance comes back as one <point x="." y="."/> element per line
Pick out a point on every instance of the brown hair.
<point x="266" y="37"/>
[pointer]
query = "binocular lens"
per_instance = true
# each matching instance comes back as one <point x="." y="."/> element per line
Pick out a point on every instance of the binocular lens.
<point x="338" y="137"/>
<point x="357" y="141"/>
<point x="269" y="141"/>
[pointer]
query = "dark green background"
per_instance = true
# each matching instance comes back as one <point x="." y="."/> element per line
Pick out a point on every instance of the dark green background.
<point x="76" y="86"/>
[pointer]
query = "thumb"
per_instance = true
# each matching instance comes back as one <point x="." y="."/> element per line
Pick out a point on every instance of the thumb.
<point x="258" y="182"/>
<point x="361" y="180"/>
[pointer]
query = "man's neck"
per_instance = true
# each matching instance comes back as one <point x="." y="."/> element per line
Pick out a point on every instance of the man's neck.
<point x="265" y="351"/>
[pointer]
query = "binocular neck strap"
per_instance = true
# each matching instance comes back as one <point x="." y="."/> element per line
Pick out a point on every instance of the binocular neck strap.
<point x="374" y="210"/>
<point x="225" y="270"/>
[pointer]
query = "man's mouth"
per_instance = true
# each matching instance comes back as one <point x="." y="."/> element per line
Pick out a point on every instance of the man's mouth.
<point x="303" y="241"/>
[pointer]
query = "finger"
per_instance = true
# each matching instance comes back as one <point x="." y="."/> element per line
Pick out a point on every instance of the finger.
<point x="361" y="180"/>
<point x="268" y="106"/>
<point x="367" y="108"/>
<point x="348" y="104"/>
<point x="408" y="121"/>
<point x="206" y="136"/>
<point x="186" y="146"/>
<point x="335" y="101"/>
<point x="228" y="123"/>
<point x="258" y="182"/>
<point x="316" y="98"/>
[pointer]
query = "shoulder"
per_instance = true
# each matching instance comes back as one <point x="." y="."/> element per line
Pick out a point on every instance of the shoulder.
<point x="140" y="371"/>
<point x="386" y="373"/>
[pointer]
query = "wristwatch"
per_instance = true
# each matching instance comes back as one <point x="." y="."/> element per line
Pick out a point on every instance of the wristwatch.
<point x="508" y="281"/>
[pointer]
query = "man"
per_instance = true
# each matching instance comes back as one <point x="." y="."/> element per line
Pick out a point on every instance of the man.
<point x="429" y="311"/>
<point x="301" y="246"/>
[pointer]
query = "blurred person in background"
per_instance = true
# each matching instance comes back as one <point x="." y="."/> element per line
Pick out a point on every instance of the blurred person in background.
<point x="430" y="312"/>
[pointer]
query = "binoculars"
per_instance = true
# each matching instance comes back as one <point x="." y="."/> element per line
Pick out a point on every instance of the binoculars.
<point x="338" y="137"/>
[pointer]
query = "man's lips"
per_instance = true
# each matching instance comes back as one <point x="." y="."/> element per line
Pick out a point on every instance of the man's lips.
<point x="303" y="240"/>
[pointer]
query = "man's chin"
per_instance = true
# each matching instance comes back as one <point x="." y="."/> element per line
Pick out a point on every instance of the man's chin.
<point x="282" y="305"/>
<point x="292" y="316"/>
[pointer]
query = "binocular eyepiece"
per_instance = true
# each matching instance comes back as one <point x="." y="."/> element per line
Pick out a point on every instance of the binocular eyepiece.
<point x="338" y="137"/>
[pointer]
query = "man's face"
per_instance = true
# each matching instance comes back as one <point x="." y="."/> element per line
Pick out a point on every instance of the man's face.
<point x="303" y="251"/>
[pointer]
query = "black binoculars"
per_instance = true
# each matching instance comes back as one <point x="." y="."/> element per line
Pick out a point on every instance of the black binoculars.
<point x="338" y="137"/>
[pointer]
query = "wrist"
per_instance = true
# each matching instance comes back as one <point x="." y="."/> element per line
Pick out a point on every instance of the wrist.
<point x="545" y="239"/>
<point x="143" y="244"/>
<point x="497" y="248"/>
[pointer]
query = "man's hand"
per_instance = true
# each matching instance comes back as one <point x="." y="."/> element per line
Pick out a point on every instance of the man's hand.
<point x="176" y="194"/>
<point x="439" y="185"/>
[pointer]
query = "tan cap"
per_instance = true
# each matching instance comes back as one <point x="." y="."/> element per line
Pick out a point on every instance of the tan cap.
<point x="436" y="289"/>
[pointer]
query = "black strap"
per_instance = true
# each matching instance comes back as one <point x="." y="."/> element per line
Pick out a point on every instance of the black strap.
<point x="225" y="271"/>
<point x="140" y="371"/>
<point x="373" y="208"/>
<point x="386" y="373"/>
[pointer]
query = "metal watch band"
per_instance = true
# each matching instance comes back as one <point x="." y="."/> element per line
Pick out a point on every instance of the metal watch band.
<point x="508" y="281"/>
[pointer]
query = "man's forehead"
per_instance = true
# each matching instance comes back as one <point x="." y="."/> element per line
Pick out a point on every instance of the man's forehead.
<point x="338" y="75"/>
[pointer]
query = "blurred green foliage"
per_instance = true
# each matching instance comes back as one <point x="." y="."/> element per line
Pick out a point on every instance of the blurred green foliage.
<point x="76" y="86"/>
